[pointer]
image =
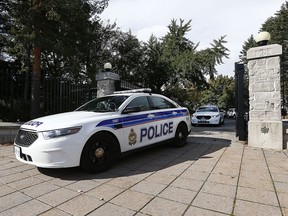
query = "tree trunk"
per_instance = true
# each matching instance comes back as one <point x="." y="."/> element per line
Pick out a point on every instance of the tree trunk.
<point x="35" y="85"/>
<point x="27" y="74"/>
<point x="36" y="67"/>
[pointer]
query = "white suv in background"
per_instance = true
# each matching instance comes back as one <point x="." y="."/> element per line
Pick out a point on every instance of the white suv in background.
<point x="231" y="113"/>
<point x="209" y="114"/>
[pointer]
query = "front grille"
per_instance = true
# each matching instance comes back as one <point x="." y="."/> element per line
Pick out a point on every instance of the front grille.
<point x="26" y="138"/>
<point x="203" y="117"/>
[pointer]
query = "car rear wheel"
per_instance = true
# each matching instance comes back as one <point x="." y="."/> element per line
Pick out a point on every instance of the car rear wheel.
<point x="99" y="153"/>
<point x="181" y="134"/>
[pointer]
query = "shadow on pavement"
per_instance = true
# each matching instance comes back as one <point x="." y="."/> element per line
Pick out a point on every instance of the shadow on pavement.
<point x="150" y="160"/>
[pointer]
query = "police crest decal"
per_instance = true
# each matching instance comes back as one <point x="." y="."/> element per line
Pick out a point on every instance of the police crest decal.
<point x="132" y="137"/>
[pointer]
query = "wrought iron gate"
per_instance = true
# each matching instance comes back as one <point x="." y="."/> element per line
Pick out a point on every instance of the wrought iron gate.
<point x="241" y="118"/>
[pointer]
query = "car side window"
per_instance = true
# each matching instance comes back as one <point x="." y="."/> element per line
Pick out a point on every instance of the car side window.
<point x="161" y="103"/>
<point x="141" y="102"/>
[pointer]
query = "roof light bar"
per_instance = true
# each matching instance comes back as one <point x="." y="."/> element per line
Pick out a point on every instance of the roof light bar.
<point x="143" y="90"/>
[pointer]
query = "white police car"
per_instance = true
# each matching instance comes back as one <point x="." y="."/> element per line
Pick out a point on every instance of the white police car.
<point x="94" y="135"/>
<point x="209" y="114"/>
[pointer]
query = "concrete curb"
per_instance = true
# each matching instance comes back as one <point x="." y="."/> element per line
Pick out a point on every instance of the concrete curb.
<point x="8" y="131"/>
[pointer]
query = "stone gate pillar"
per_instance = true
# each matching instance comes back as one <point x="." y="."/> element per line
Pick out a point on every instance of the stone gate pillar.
<point x="106" y="82"/>
<point x="265" y="129"/>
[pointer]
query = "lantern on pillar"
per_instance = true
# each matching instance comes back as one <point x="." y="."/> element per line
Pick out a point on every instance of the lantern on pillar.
<point x="107" y="67"/>
<point x="262" y="38"/>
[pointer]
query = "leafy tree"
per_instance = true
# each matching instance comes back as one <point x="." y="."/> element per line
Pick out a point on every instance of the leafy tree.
<point x="250" y="43"/>
<point x="99" y="47"/>
<point x="155" y="71"/>
<point x="127" y="56"/>
<point x="187" y="62"/>
<point x="221" y="92"/>
<point x="175" y="66"/>
<point x="178" y="51"/>
<point x="213" y="56"/>
<point x="277" y="27"/>
<point x="5" y="24"/>
<point x="67" y="39"/>
<point x="57" y="29"/>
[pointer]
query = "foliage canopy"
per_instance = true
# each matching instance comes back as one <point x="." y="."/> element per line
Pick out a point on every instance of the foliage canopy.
<point x="68" y="40"/>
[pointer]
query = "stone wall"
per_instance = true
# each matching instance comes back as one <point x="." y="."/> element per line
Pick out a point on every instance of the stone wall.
<point x="265" y="127"/>
<point x="264" y="82"/>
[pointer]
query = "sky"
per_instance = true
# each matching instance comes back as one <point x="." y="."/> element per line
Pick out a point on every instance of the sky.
<point x="211" y="19"/>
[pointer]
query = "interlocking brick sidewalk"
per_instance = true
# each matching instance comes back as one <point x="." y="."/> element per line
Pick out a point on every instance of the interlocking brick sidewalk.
<point x="211" y="175"/>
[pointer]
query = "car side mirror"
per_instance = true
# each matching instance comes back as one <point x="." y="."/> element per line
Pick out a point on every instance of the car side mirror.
<point x="128" y="110"/>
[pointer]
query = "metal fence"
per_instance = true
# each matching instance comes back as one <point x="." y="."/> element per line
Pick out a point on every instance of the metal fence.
<point x="60" y="95"/>
<point x="56" y="95"/>
<point x="14" y="103"/>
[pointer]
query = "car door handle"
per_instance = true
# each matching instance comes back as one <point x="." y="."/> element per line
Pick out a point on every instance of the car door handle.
<point x="174" y="113"/>
<point x="151" y="116"/>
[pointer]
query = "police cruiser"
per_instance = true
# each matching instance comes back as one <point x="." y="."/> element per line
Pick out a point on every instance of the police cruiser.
<point x="97" y="133"/>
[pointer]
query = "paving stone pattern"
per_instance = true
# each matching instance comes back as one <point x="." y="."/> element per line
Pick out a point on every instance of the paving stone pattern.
<point x="209" y="176"/>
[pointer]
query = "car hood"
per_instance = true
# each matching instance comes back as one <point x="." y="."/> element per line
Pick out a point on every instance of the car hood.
<point x="64" y="120"/>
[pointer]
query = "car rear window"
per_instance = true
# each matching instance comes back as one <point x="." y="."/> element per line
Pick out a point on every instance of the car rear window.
<point x="161" y="103"/>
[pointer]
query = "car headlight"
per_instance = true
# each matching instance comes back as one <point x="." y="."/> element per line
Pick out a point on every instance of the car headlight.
<point x="60" y="132"/>
<point x="215" y="116"/>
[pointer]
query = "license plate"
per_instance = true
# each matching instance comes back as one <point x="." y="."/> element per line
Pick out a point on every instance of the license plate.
<point x="203" y="122"/>
<point x="17" y="151"/>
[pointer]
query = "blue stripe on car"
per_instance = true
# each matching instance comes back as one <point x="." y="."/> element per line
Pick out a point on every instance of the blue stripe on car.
<point x="141" y="119"/>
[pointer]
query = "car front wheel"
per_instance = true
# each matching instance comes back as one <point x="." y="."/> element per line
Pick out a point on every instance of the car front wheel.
<point x="99" y="153"/>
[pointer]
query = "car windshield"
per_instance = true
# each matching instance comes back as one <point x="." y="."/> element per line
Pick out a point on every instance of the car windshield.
<point x="104" y="104"/>
<point x="207" y="109"/>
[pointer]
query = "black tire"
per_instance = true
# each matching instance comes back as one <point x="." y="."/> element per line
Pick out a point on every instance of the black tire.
<point x="181" y="134"/>
<point x="99" y="153"/>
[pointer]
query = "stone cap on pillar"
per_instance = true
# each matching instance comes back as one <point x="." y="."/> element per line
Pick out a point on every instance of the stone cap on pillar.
<point x="264" y="51"/>
<point x="107" y="76"/>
